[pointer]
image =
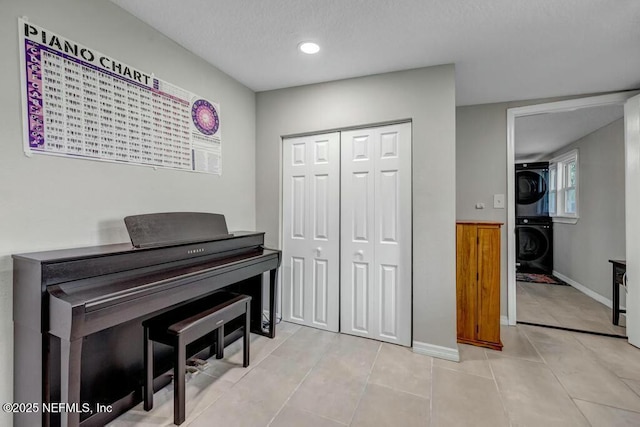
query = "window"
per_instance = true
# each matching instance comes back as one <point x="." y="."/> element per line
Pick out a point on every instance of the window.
<point x="553" y="172"/>
<point x="570" y="187"/>
<point x="563" y="186"/>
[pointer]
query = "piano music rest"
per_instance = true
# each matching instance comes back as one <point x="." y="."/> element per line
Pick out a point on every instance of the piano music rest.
<point x="183" y="325"/>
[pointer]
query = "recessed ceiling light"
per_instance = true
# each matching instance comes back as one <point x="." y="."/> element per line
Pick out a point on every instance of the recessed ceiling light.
<point x="309" y="47"/>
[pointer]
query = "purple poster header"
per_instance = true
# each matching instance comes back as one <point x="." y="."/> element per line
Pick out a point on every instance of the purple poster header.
<point x="79" y="52"/>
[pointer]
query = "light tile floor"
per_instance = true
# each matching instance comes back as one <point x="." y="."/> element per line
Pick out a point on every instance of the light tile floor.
<point x="307" y="377"/>
<point x="564" y="306"/>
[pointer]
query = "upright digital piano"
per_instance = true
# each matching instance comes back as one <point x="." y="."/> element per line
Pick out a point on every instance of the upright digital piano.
<point x="78" y="312"/>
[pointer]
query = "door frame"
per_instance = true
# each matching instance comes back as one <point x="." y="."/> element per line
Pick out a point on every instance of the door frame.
<point x="618" y="98"/>
<point x="632" y="204"/>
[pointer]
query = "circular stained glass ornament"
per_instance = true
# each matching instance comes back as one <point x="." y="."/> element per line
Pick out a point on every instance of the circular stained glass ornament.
<point x="205" y="117"/>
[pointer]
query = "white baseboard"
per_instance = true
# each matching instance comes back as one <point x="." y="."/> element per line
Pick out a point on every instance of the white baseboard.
<point x="596" y="296"/>
<point x="437" y="351"/>
<point x="504" y="320"/>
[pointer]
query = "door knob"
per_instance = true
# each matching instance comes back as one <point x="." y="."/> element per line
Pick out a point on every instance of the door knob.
<point x="319" y="250"/>
<point x="361" y="253"/>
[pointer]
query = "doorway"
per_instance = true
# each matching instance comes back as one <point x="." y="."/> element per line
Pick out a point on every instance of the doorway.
<point x="566" y="242"/>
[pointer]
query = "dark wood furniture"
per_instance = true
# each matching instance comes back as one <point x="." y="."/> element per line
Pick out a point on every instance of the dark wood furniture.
<point x="619" y="271"/>
<point x="78" y="316"/>
<point x="182" y="326"/>
<point x="478" y="283"/>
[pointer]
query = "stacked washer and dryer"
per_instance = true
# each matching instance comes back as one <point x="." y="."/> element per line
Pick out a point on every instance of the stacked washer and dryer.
<point x="534" y="227"/>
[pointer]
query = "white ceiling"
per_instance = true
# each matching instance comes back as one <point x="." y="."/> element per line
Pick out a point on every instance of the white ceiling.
<point x="504" y="50"/>
<point x="538" y="136"/>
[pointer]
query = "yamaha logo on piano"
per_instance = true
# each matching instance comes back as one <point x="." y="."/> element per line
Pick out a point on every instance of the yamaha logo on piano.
<point x="195" y="251"/>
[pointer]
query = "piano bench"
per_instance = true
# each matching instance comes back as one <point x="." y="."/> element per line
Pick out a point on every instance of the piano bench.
<point x="185" y="324"/>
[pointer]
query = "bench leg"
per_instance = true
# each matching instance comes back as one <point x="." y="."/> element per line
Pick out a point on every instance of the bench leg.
<point x="179" y="366"/>
<point x="220" y="344"/>
<point x="616" y="299"/>
<point x="247" y="332"/>
<point x="148" y="371"/>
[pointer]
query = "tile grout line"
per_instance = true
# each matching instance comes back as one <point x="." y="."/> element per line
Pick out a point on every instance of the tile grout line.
<point x="598" y="360"/>
<point x="595" y="358"/>
<point x="431" y="395"/>
<point x="205" y="408"/>
<point x="300" y="383"/>
<point x="234" y="365"/>
<point x="366" y="382"/>
<point x="446" y="368"/>
<point x="495" y="381"/>
<point x="560" y="382"/>
<point x="240" y="379"/>
<point x="598" y="312"/>
<point x="604" y="404"/>
<point x="217" y="378"/>
<point x="534" y="347"/>
<point x="509" y="356"/>
<point x="522" y="288"/>
<point x="294" y="390"/>
<point x="544" y="306"/>
<point x="401" y="391"/>
<point x="630" y="379"/>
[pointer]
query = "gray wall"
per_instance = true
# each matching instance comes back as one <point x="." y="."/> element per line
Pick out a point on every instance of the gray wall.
<point x="48" y="202"/>
<point x="481" y="171"/>
<point x="581" y="251"/>
<point x="427" y="96"/>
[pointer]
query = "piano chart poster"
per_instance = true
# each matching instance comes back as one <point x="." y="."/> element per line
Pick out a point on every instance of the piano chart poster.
<point x="81" y="103"/>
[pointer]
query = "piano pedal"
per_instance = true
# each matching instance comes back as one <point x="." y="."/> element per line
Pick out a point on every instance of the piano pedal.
<point x="198" y="363"/>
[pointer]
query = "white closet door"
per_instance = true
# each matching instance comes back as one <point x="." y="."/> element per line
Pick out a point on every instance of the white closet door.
<point x="376" y="233"/>
<point x="311" y="241"/>
<point x="357" y="238"/>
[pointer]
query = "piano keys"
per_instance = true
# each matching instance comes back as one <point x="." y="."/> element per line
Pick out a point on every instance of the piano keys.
<point x="78" y="312"/>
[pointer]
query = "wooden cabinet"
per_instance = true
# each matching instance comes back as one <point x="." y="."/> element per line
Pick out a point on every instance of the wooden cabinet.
<point x="478" y="283"/>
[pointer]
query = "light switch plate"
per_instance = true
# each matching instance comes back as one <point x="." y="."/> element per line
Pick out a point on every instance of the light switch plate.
<point x="498" y="201"/>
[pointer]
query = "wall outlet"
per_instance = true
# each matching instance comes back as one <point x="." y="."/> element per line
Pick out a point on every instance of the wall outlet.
<point x="498" y="201"/>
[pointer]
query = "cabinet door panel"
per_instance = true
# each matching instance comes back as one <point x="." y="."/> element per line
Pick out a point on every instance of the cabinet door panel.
<point x="489" y="284"/>
<point x="466" y="282"/>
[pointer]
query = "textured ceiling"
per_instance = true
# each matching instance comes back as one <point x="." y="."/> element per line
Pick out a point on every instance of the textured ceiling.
<point x="503" y="49"/>
<point x="540" y="135"/>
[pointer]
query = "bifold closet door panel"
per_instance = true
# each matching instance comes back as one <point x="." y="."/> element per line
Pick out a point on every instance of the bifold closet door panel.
<point x="357" y="233"/>
<point x="376" y="233"/>
<point x="311" y="230"/>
